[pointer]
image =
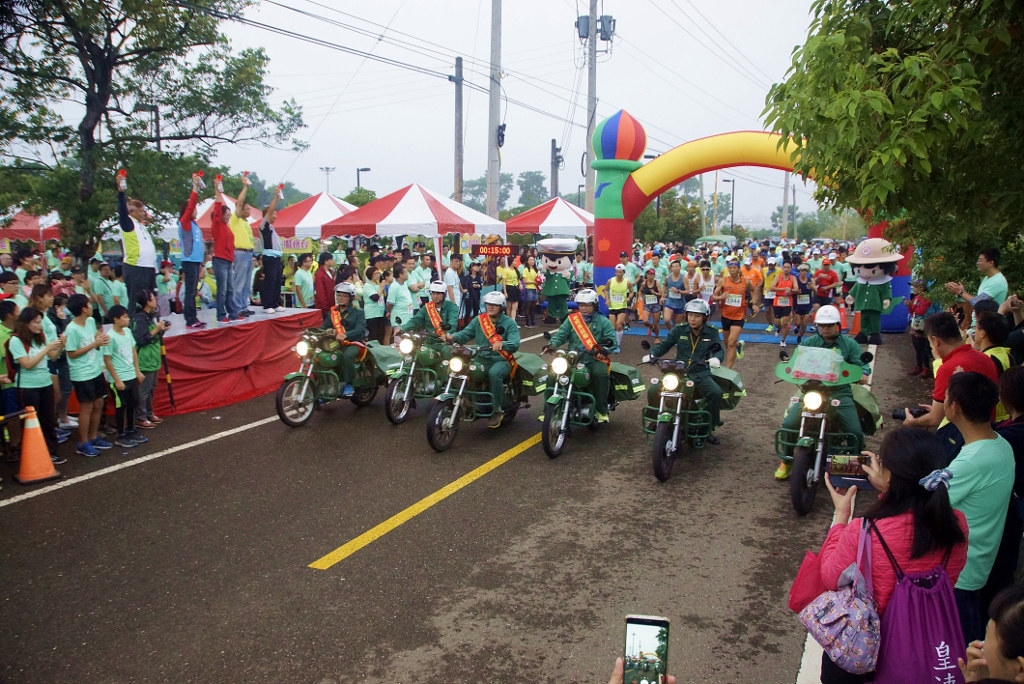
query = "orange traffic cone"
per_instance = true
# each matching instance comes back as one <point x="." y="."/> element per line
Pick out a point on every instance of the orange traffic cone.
<point x="855" y="327"/>
<point x="36" y="465"/>
<point x="842" y="318"/>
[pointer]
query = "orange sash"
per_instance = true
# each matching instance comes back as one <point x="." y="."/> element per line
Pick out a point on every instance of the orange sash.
<point x="579" y="326"/>
<point x="487" y="325"/>
<point x="435" y="318"/>
<point x="339" y="327"/>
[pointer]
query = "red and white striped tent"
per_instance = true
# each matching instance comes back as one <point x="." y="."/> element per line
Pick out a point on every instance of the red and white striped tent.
<point x="26" y="226"/>
<point x="554" y="217"/>
<point x="413" y="210"/>
<point x="305" y="219"/>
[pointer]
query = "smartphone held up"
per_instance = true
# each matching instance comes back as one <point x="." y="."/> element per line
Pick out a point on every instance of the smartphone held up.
<point x="646" y="649"/>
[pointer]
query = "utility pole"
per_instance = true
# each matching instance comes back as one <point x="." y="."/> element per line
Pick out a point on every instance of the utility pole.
<point x="460" y="152"/>
<point x="556" y="162"/>
<point x="591" y="100"/>
<point x="703" y="213"/>
<point x="785" y="209"/>
<point x="494" y="114"/>
<point x="714" y="214"/>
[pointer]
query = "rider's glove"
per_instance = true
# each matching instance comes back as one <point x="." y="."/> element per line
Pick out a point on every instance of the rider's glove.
<point x="714" y="362"/>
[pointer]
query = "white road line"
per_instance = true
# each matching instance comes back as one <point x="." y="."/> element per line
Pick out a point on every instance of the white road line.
<point x="532" y="337"/>
<point x="810" y="663"/>
<point x="135" y="462"/>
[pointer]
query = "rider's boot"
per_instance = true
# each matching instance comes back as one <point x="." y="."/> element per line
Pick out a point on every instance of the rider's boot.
<point x="347" y="391"/>
<point x="782" y="472"/>
<point x="603" y="418"/>
<point x="495" y="421"/>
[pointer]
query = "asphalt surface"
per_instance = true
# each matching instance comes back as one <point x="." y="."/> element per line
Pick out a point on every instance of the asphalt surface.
<point x="194" y="566"/>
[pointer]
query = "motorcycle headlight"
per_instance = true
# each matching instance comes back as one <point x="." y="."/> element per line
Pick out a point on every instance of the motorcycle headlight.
<point x="812" y="401"/>
<point x="455" y="365"/>
<point x="406" y="346"/>
<point x="559" y="365"/>
<point x="302" y="348"/>
<point x="670" y="382"/>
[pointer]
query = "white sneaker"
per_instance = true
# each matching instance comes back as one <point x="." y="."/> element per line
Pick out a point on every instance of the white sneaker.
<point x="269" y="311"/>
<point x="70" y="423"/>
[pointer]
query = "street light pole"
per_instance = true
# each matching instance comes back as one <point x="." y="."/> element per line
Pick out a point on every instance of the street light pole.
<point x="358" y="171"/>
<point x="732" y="203"/>
<point x="328" y="170"/>
<point x="579" y="195"/>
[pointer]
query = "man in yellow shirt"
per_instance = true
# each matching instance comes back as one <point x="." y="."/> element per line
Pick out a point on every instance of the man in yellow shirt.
<point x="241" y="269"/>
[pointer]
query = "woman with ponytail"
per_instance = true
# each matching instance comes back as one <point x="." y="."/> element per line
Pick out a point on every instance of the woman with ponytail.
<point x="912" y="514"/>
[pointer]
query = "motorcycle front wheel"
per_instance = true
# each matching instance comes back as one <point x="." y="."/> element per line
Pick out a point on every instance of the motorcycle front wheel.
<point x="554" y="434"/>
<point x="292" y="411"/>
<point x="396" y="407"/>
<point x="364" y="397"/>
<point x="439" y="436"/>
<point x="661" y="456"/>
<point x="803" y="488"/>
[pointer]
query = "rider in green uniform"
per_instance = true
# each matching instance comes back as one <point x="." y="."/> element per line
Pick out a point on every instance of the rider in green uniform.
<point x="448" y="312"/>
<point x="830" y="336"/>
<point x="692" y="341"/>
<point x="498" y="369"/>
<point x="349" y="325"/>
<point x="604" y="335"/>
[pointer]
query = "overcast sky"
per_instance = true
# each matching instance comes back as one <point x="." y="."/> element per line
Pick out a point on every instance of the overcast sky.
<point x="400" y="123"/>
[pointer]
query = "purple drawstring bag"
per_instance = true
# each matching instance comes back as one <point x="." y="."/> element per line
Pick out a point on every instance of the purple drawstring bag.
<point x="921" y="634"/>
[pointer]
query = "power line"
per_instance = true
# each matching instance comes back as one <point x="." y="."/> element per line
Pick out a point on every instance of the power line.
<point x="715" y="42"/>
<point x="726" y="39"/>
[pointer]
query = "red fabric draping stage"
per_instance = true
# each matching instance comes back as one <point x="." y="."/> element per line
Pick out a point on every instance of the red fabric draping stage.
<point x="228" y="363"/>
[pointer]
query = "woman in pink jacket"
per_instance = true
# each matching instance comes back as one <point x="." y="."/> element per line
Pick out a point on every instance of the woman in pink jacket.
<point x="912" y="514"/>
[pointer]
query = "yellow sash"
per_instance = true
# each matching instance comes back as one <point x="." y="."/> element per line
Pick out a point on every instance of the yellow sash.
<point x="435" y="318"/>
<point x="339" y="327"/>
<point x="579" y="326"/>
<point x="487" y="325"/>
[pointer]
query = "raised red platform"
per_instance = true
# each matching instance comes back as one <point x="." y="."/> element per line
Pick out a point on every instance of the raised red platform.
<point x="226" y="363"/>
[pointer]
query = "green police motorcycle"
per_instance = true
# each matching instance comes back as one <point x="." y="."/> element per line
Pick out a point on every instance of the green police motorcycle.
<point x="681" y="422"/>
<point x="419" y="377"/>
<point x="818" y="372"/>
<point x="467" y="397"/>
<point x="317" y="381"/>
<point x="568" y="401"/>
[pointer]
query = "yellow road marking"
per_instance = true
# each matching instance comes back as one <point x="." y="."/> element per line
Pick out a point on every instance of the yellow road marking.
<point x="375" y="533"/>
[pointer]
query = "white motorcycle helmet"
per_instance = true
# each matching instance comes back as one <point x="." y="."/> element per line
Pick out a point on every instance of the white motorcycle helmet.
<point x="826" y="315"/>
<point x="698" y="306"/>
<point x="345" y="288"/>
<point x="494" y="297"/>
<point x="586" y="296"/>
<point x="438" y="286"/>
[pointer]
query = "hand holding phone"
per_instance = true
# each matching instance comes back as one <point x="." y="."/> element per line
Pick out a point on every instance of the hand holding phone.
<point x="646" y="649"/>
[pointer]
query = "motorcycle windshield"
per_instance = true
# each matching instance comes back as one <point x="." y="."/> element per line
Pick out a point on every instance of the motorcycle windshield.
<point x="812" y="363"/>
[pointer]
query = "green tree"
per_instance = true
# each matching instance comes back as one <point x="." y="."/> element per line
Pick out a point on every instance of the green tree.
<point x="662" y="649"/>
<point x="532" y="190"/>
<point x="911" y="111"/>
<point x="777" y="217"/>
<point x="680" y="217"/>
<point x="360" y="196"/>
<point x="724" y="211"/>
<point x="121" y="59"/>
<point x="474" y="192"/>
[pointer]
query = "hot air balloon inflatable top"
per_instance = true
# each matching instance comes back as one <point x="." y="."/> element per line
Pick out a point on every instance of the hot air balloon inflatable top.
<point x="620" y="136"/>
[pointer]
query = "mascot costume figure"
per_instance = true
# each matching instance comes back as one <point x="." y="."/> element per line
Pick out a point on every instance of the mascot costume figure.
<point x="874" y="261"/>
<point x="557" y="255"/>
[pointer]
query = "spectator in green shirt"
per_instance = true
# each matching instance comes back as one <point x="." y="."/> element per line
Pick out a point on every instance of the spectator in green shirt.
<point x="304" y="283"/>
<point x="122" y="363"/>
<point x="166" y="288"/>
<point x="980" y="483"/>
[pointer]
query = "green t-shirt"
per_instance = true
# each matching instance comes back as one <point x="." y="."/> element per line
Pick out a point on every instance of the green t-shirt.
<point x="660" y="271"/>
<point x="373" y="309"/>
<point x="105" y="289"/>
<point x="90" y="364"/>
<point x="21" y="300"/>
<point x="980" y="489"/>
<point x="36" y="376"/>
<point x="121" y="351"/>
<point x="304" y="286"/>
<point x="632" y="272"/>
<point x="995" y="287"/>
<point x="170" y="287"/>
<point x="5" y="336"/>
<point x="120" y="290"/>
<point x="400" y="300"/>
<point x="21" y="273"/>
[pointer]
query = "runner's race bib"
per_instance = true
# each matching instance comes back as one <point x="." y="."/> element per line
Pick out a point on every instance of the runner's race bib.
<point x="618" y="298"/>
<point x="803" y="299"/>
<point x="650" y="299"/>
<point x="708" y="289"/>
<point x="734" y="300"/>
<point x="769" y="296"/>
<point x="782" y="301"/>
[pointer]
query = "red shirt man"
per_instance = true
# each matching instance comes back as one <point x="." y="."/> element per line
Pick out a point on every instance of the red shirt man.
<point x="963" y="359"/>
<point x="825" y="280"/>
<point x="223" y="238"/>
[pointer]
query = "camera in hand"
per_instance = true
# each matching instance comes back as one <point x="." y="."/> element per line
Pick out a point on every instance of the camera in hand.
<point x="916" y="412"/>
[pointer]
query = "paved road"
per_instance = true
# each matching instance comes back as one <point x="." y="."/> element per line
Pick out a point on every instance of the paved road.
<point x="194" y="567"/>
